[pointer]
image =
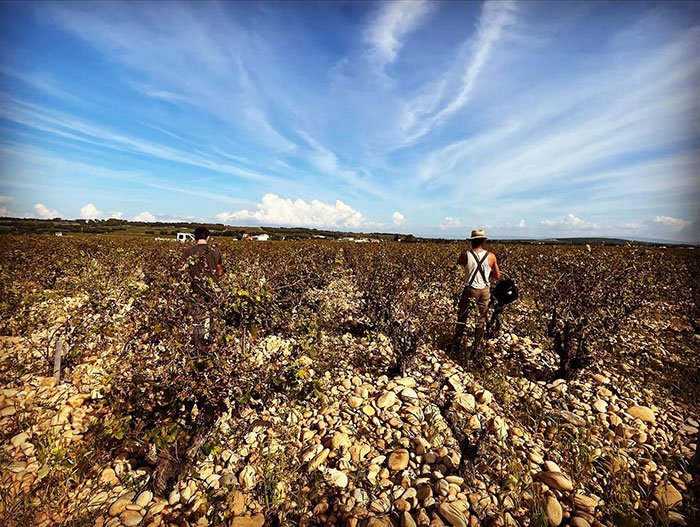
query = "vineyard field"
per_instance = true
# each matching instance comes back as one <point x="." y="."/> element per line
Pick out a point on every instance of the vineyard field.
<point x="315" y="385"/>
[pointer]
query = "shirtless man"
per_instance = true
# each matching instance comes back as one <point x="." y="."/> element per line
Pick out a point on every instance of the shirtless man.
<point x="481" y="268"/>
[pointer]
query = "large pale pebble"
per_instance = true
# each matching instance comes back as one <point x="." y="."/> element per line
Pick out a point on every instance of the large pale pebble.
<point x="174" y="497"/>
<point x="144" y="498"/>
<point x="386" y="400"/>
<point x="453" y="515"/>
<point x="668" y="495"/>
<point x="557" y="480"/>
<point x="118" y="506"/>
<point x="19" y="439"/>
<point x="253" y="521"/>
<point x="398" y="460"/>
<point x="130" y="518"/>
<point x="643" y="413"/>
<point x="554" y="511"/>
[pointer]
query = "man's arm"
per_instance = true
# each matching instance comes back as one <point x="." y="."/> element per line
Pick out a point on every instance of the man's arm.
<point x="462" y="260"/>
<point x="495" y="271"/>
<point x="219" y="265"/>
<point x="183" y="261"/>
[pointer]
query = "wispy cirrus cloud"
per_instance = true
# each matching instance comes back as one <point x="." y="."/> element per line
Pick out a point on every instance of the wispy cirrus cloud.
<point x="190" y="54"/>
<point x="585" y="138"/>
<point x="76" y="129"/>
<point x="495" y="17"/>
<point x="393" y="22"/>
<point x="489" y="113"/>
<point x="29" y="161"/>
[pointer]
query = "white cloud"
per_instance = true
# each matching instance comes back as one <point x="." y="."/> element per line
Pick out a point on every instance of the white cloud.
<point x="197" y="54"/>
<point x="3" y="210"/>
<point x="90" y="212"/>
<point x="395" y="20"/>
<point x="450" y="223"/>
<point x="158" y="94"/>
<point x="116" y="215"/>
<point x="44" y="212"/>
<point x="164" y="217"/>
<point x="496" y="15"/>
<point x="568" y="223"/>
<point x="519" y="225"/>
<point x="675" y="224"/>
<point x="145" y="216"/>
<point x="398" y="219"/>
<point x="69" y="127"/>
<point x="630" y="226"/>
<point x="571" y="129"/>
<point x="275" y="210"/>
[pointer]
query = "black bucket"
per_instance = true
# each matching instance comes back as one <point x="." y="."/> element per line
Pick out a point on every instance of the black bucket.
<point x="505" y="292"/>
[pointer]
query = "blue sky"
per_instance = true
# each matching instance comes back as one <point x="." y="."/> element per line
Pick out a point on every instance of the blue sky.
<point x="525" y="118"/>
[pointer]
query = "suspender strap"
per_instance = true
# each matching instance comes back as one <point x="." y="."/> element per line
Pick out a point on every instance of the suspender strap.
<point x="478" y="269"/>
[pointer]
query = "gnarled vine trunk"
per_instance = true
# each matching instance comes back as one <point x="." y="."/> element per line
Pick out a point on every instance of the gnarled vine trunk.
<point x="169" y="467"/>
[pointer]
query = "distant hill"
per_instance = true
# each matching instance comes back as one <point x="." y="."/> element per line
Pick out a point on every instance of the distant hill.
<point x="170" y="229"/>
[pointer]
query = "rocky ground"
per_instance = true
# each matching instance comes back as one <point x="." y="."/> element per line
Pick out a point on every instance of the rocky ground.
<point x="439" y="445"/>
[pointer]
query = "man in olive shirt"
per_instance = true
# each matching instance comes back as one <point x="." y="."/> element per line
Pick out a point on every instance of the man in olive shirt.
<point x="205" y="269"/>
<point x="204" y="264"/>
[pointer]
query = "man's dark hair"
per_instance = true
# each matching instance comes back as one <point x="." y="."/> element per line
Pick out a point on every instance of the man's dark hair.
<point x="201" y="233"/>
<point x="479" y="242"/>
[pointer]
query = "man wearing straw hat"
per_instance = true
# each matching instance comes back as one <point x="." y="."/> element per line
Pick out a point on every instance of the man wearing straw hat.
<point x="480" y="268"/>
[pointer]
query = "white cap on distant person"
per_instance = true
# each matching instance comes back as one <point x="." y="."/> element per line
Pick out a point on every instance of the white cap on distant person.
<point x="477" y="235"/>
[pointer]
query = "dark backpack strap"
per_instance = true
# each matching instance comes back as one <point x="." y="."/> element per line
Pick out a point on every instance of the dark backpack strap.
<point x="478" y="269"/>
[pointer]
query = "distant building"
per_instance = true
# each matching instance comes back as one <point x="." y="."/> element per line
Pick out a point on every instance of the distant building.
<point x="362" y="240"/>
<point x="346" y="239"/>
<point x="59" y="234"/>
<point x="260" y="237"/>
<point x="374" y="240"/>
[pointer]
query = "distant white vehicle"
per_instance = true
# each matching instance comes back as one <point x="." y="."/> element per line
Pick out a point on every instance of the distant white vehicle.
<point x="59" y="234"/>
<point x="185" y="237"/>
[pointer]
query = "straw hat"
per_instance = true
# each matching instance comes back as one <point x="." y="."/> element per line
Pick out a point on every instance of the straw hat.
<point x="478" y="234"/>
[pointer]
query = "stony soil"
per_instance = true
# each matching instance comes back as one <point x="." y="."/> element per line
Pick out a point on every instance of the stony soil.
<point x="439" y="445"/>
